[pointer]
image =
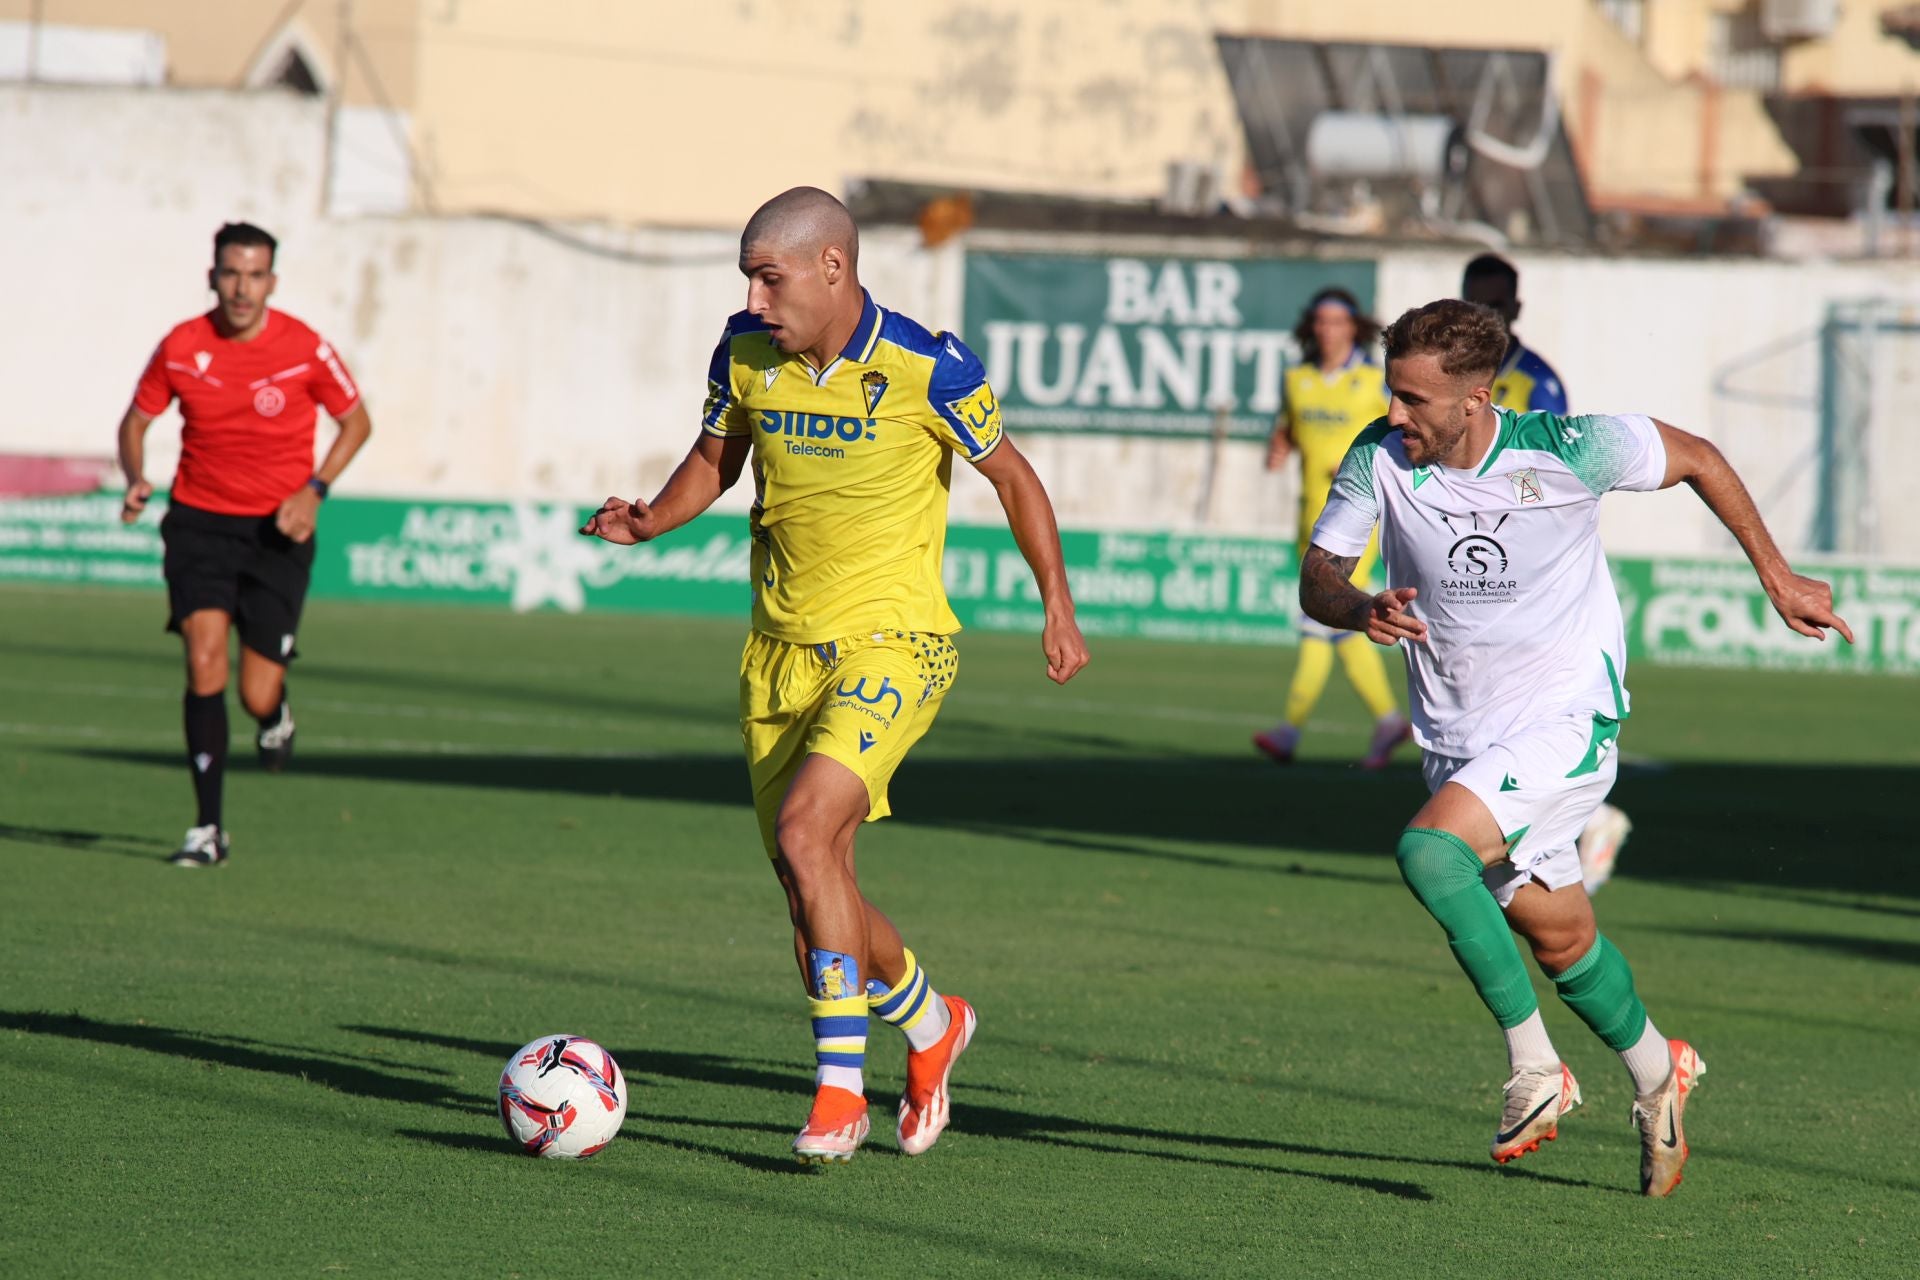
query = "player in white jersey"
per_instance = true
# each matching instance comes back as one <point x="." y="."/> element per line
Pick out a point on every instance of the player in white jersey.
<point x="1525" y="382"/>
<point x="1499" y="598"/>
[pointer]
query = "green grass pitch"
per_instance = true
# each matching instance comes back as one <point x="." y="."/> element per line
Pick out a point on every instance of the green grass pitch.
<point x="1218" y="1037"/>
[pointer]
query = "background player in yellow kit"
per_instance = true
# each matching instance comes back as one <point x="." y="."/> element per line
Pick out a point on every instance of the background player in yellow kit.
<point x="851" y="415"/>
<point x="1525" y="382"/>
<point x="1328" y="399"/>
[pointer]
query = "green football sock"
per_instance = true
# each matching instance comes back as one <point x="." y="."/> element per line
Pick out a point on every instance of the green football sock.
<point x="1443" y="873"/>
<point x="1599" y="987"/>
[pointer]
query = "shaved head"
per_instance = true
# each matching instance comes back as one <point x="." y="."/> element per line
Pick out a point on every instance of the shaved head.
<point x="800" y="253"/>
<point x="805" y="219"/>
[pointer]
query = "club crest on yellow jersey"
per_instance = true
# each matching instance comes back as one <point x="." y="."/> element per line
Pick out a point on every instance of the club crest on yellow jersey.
<point x="873" y="385"/>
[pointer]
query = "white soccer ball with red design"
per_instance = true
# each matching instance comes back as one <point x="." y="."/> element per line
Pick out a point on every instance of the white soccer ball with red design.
<point x="562" y="1097"/>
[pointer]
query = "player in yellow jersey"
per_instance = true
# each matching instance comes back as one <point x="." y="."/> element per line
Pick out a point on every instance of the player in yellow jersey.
<point x="1327" y="399"/>
<point x="850" y="416"/>
<point x="1526" y="383"/>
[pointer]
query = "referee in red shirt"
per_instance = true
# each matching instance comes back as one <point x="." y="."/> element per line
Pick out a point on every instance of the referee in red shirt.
<point x="239" y="527"/>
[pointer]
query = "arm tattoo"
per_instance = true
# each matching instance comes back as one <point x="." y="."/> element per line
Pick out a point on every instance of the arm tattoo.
<point x="1327" y="593"/>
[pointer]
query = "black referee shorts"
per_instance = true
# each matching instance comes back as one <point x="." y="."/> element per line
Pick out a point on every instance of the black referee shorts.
<point x="242" y="565"/>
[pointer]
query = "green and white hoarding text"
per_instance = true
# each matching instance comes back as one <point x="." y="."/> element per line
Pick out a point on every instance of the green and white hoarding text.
<point x="1167" y="586"/>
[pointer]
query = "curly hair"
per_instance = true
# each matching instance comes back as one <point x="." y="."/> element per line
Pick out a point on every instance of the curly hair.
<point x="1366" y="328"/>
<point x="1468" y="338"/>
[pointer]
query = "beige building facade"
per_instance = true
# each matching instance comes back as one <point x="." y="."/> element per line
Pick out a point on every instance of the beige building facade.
<point x="686" y="115"/>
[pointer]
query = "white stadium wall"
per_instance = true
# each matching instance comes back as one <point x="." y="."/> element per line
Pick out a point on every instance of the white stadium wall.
<point x="502" y="360"/>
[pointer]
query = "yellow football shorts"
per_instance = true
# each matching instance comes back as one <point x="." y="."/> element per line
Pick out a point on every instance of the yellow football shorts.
<point x="863" y="701"/>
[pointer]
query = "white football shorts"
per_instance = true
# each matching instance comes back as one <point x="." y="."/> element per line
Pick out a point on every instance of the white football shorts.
<point x="1541" y="784"/>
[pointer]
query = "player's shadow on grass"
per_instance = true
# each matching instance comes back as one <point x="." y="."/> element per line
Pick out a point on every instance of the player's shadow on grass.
<point x="139" y="651"/>
<point x="344" y="1073"/>
<point x="1783" y="827"/>
<point x="495" y="1144"/>
<point x="1130" y="799"/>
<point x="1135" y="849"/>
<point x="587" y="694"/>
<point x="984" y="1119"/>
<point x="1767" y="893"/>
<point x="1773" y="825"/>
<point x="1882" y="950"/>
<point x="117" y="842"/>
<point x="955" y="729"/>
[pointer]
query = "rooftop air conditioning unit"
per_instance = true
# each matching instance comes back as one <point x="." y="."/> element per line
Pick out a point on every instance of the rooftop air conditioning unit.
<point x="1356" y="144"/>
<point x="1798" y="19"/>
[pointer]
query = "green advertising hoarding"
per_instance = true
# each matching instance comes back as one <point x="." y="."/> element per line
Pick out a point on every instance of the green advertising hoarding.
<point x="1142" y="346"/>
<point x="1712" y="613"/>
<point x="1168" y="586"/>
<point x="529" y="556"/>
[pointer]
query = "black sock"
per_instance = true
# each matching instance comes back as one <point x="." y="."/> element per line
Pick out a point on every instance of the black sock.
<point x="207" y="751"/>
<point x="272" y="717"/>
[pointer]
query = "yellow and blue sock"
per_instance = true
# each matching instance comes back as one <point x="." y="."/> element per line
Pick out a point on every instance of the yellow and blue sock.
<point x="911" y="1005"/>
<point x="839" y="1009"/>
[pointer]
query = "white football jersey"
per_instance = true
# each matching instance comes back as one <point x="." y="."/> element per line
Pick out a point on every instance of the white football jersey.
<point x="1522" y="620"/>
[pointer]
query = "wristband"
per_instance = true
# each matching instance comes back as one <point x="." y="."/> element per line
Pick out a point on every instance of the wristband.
<point x="318" y="485"/>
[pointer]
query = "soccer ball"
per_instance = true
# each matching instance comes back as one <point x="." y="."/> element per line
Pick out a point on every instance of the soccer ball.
<point x="562" y="1097"/>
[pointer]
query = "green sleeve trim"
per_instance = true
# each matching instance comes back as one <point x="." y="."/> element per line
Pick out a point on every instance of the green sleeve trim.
<point x="1356" y="468"/>
<point x="1374" y="433"/>
<point x="1596" y="448"/>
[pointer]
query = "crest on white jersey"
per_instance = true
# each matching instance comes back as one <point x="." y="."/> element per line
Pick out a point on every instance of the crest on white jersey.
<point x="1526" y="486"/>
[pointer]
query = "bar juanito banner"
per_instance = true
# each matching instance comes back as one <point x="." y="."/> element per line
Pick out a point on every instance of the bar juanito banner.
<point x="1142" y="346"/>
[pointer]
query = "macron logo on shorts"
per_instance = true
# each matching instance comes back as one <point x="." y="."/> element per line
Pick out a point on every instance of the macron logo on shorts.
<point x="866" y="740"/>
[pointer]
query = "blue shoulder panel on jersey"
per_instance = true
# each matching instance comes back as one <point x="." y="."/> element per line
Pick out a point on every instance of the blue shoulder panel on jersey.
<point x="1549" y="395"/>
<point x="910" y="335"/>
<point x="745" y="322"/>
<point x="956" y="370"/>
<point x="738" y="323"/>
<point x="719" y="374"/>
<point x="957" y="374"/>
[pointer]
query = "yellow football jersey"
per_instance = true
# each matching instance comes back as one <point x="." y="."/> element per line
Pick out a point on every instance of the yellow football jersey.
<point x="851" y="469"/>
<point x="1325" y="412"/>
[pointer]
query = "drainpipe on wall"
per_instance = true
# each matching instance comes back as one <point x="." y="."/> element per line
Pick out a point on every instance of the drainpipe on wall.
<point x="1709" y="134"/>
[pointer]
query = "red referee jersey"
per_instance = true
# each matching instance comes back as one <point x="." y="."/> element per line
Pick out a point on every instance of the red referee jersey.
<point x="247" y="442"/>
